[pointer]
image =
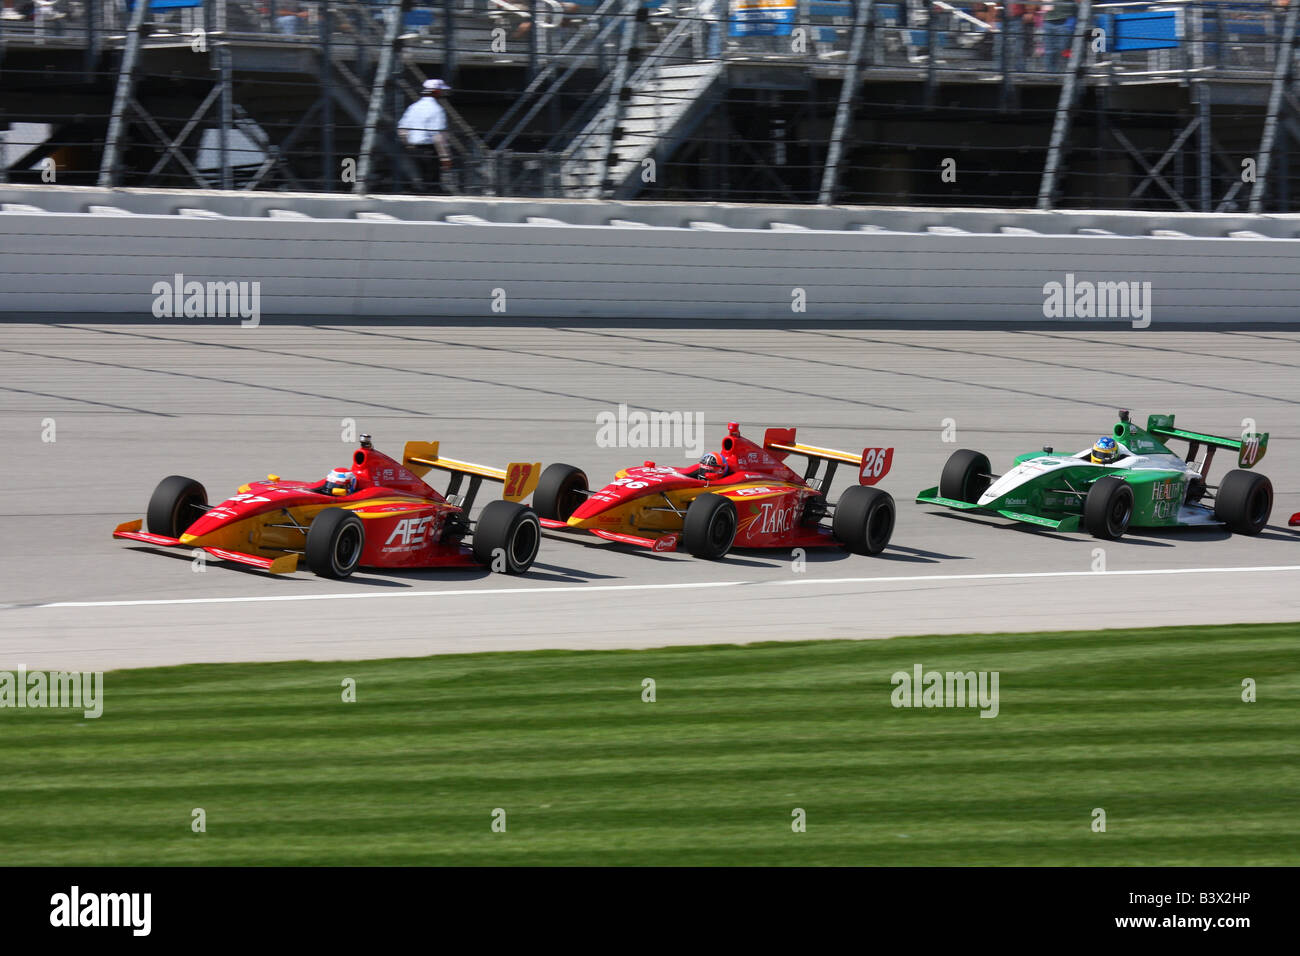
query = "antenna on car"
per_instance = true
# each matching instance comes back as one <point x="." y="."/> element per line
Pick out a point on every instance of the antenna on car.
<point x="1123" y="414"/>
<point x="365" y="442"/>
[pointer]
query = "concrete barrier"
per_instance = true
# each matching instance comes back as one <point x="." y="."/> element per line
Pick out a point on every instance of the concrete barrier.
<point x="102" y="254"/>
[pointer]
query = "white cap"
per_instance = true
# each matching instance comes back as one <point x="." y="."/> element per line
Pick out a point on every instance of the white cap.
<point x="431" y="85"/>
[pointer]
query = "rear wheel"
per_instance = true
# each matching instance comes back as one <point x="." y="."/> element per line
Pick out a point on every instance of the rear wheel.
<point x="710" y="526"/>
<point x="507" y="536"/>
<point x="558" y="493"/>
<point x="1244" y="501"/>
<point x="334" y="542"/>
<point x="864" y="519"/>
<point x="176" y="504"/>
<point x="965" y="477"/>
<point x="1108" y="508"/>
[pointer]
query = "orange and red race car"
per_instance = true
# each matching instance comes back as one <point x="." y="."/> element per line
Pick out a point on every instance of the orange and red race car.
<point x="745" y="497"/>
<point x="373" y="513"/>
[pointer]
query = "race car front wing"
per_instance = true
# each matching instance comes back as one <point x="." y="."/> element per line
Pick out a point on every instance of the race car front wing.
<point x="282" y="565"/>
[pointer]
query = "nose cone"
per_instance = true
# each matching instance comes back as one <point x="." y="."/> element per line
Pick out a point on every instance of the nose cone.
<point x="205" y="525"/>
<point x="585" y="512"/>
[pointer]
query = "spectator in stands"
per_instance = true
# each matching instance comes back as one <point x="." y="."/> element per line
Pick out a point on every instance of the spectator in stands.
<point x="423" y="131"/>
<point x="1021" y="18"/>
<point x="985" y="13"/>
<point x="526" y="26"/>
<point x="711" y="12"/>
<point x="290" y="19"/>
<point x="47" y="14"/>
<point x="1058" y="29"/>
<point x="988" y="14"/>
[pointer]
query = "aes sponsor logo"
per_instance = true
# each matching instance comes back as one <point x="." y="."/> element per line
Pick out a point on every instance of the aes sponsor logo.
<point x="410" y="532"/>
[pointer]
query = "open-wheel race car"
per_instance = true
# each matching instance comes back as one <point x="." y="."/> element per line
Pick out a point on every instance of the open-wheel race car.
<point x="1129" y="478"/>
<point x="743" y="496"/>
<point x="372" y="513"/>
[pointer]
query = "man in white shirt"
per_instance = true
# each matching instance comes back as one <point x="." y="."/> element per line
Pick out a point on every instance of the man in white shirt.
<point x="422" y="129"/>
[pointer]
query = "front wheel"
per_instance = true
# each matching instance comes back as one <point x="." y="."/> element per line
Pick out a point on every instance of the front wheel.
<point x="559" y="492"/>
<point x="176" y="504"/>
<point x="1108" y="508"/>
<point x="965" y="476"/>
<point x="1244" y="501"/>
<point x="334" y="542"/>
<point x="710" y="526"/>
<point x="507" y="537"/>
<point x="864" y="519"/>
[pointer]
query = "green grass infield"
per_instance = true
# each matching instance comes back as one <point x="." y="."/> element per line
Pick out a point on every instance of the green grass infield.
<point x="556" y="758"/>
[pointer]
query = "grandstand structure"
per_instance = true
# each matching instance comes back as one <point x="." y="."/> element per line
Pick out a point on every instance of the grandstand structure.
<point x="1182" y="105"/>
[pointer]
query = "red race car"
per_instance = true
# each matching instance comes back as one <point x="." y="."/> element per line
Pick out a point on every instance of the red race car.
<point x="744" y="496"/>
<point x="372" y="513"/>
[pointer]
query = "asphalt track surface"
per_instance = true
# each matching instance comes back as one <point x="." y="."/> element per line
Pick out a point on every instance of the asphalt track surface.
<point x="224" y="404"/>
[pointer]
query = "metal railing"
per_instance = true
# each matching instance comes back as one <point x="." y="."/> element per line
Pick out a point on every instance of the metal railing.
<point x="520" y="147"/>
<point x="1129" y="37"/>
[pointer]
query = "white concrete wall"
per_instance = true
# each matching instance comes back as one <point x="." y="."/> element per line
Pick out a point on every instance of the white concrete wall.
<point x="72" y="262"/>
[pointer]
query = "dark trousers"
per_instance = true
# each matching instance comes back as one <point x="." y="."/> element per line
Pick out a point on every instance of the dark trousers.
<point x="427" y="162"/>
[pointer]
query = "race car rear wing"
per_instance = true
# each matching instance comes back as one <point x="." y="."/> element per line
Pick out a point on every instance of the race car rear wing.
<point x="519" y="478"/>
<point x="873" y="464"/>
<point x="1250" y="448"/>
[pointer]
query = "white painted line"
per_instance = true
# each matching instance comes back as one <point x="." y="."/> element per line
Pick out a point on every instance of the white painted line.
<point x="460" y="592"/>
<point x="1044" y="574"/>
<point x="591" y="588"/>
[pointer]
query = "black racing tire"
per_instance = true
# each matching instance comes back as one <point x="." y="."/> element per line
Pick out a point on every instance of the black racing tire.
<point x="1108" y="508"/>
<point x="509" y="530"/>
<point x="1244" y="501"/>
<point x="864" y="519"/>
<point x="335" y="540"/>
<point x="557" y="495"/>
<point x="710" y="526"/>
<point x="173" y="506"/>
<point x="965" y="476"/>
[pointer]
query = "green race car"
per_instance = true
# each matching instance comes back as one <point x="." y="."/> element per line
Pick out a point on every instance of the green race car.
<point x="1146" y="485"/>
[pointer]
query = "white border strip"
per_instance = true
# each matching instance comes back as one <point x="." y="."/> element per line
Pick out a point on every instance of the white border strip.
<point x="592" y="588"/>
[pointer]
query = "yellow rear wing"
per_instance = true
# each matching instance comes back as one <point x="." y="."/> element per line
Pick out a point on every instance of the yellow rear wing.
<point x="872" y="465"/>
<point x="822" y="454"/>
<point x="518" y="477"/>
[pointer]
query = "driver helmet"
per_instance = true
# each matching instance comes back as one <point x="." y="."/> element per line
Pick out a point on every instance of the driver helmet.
<point x="711" y="466"/>
<point x="1105" y="451"/>
<point x="340" y="481"/>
